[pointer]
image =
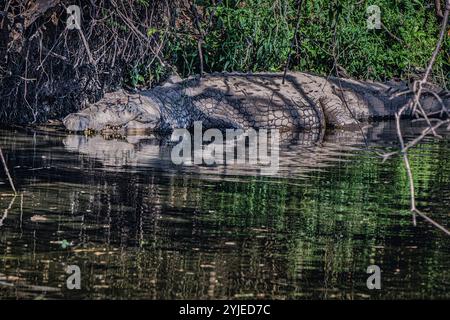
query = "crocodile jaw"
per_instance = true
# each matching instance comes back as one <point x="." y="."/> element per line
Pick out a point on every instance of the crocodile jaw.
<point x="76" y="122"/>
<point x="139" y="114"/>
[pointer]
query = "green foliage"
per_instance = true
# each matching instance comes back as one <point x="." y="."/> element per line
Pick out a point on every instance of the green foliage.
<point x="143" y="3"/>
<point x="143" y="75"/>
<point x="256" y="35"/>
<point x="244" y="36"/>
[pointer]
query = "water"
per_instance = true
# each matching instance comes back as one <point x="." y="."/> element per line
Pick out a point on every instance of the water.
<point x="140" y="227"/>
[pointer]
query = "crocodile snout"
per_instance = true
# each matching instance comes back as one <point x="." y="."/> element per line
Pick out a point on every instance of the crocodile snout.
<point x="76" y="122"/>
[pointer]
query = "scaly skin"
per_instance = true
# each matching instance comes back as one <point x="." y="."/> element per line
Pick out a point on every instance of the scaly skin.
<point x="260" y="101"/>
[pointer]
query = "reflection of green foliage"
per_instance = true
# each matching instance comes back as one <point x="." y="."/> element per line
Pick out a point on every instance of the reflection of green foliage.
<point x="349" y="200"/>
<point x="65" y="244"/>
<point x="163" y="235"/>
<point x="345" y="212"/>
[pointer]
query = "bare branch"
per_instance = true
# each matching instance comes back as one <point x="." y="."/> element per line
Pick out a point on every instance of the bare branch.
<point x="2" y="158"/>
<point x="286" y="67"/>
<point x="416" y="104"/>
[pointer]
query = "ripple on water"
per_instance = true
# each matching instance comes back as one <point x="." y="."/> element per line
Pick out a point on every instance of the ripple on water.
<point x="140" y="227"/>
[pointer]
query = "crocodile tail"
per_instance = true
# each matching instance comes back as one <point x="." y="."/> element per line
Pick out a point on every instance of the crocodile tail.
<point x="376" y="101"/>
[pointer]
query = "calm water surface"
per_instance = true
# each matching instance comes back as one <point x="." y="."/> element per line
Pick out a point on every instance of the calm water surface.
<point x="140" y="227"/>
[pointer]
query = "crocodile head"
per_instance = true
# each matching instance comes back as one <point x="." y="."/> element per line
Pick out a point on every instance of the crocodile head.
<point x="114" y="111"/>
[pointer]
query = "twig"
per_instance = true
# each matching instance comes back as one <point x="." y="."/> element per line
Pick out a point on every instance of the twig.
<point x="293" y="40"/>
<point x="418" y="88"/>
<point x="7" y="172"/>
<point x="414" y="142"/>
<point x="437" y="4"/>
<point x="5" y="213"/>
<point x="341" y="94"/>
<point x="201" y="37"/>
<point x="200" y="54"/>
<point x="434" y="223"/>
<point x="434" y="55"/>
<point x="404" y="153"/>
<point x="393" y="36"/>
<point x="138" y="33"/>
<point x="86" y="45"/>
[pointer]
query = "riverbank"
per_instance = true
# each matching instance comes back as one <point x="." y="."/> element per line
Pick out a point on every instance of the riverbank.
<point x="48" y="71"/>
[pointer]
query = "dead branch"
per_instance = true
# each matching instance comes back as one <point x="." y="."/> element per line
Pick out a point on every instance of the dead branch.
<point x="70" y="68"/>
<point x="37" y="10"/>
<point x="419" y="110"/>
<point x="393" y="36"/>
<point x="438" y="8"/>
<point x="2" y="158"/>
<point x="202" y="33"/>
<point x="201" y="37"/>
<point x="5" y="213"/>
<point x="297" y="27"/>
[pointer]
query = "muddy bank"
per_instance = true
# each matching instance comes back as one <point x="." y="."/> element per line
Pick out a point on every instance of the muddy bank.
<point x="48" y="71"/>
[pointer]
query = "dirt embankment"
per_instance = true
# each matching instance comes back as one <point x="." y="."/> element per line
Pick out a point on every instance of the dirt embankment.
<point x="48" y="70"/>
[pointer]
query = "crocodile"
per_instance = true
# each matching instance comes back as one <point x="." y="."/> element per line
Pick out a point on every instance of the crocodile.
<point x="298" y="101"/>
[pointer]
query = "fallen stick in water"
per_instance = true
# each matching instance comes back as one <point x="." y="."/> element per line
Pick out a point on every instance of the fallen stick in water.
<point x="5" y="214"/>
<point x="7" y="171"/>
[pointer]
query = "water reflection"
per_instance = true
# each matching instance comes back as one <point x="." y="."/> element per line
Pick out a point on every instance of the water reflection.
<point x="300" y="151"/>
<point x="140" y="227"/>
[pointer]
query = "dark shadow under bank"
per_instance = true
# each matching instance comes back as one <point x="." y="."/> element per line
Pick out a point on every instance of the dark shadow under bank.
<point x="48" y="71"/>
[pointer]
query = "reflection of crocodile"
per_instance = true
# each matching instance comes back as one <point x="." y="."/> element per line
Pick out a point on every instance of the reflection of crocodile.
<point x="300" y="151"/>
<point x="233" y="100"/>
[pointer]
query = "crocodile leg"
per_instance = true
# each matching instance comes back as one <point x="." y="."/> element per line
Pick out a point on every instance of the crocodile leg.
<point x="336" y="112"/>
